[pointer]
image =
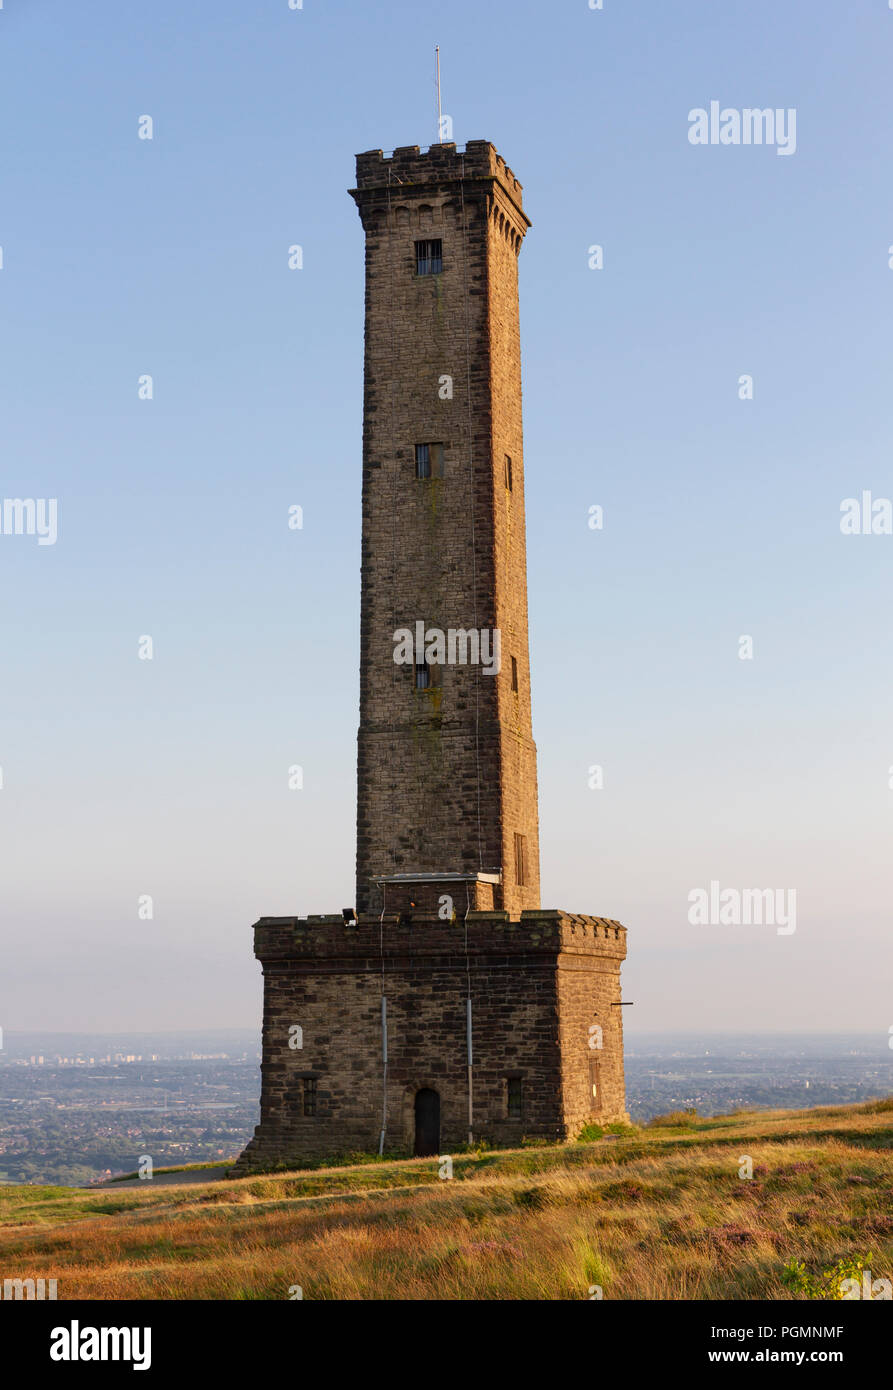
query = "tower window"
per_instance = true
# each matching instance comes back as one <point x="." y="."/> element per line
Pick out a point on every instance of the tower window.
<point x="429" y="460"/>
<point x="513" y="1097"/>
<point x="308" y="1087"/>
<point x="426" y="675"/>
<point x="508" y="473"/>
<point x="520" y="860"/>
<point x="429" y="257"/>
<point x="514" y="673"/>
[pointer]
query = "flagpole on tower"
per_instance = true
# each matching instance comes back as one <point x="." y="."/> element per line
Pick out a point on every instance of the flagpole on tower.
<point x="437" y="85"/>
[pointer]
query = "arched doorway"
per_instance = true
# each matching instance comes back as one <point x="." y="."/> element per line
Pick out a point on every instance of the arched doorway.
<point x="427" y="1122"/>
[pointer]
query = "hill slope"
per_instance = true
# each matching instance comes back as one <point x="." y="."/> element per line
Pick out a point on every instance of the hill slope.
<point x="655" y="1213"/>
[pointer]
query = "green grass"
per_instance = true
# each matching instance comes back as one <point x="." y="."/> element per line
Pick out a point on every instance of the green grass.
<point x="659" y="1212"/>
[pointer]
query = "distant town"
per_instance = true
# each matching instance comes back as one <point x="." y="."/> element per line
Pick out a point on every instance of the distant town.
<point x="79" y="1110"/>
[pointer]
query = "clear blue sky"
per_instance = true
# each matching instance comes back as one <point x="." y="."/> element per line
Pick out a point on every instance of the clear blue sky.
<point x="123" y="256"/>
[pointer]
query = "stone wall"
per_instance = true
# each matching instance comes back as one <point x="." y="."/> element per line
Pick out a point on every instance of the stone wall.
<point x="591" y="1023"/>
<point x="534" y="985"/>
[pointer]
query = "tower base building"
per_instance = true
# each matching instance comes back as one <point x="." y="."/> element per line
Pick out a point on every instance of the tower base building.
<point x="539" y="998"/>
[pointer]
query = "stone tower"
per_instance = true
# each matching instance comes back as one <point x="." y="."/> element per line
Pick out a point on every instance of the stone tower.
<point x="447" y="765"/>
<point x="447" y="1005"/>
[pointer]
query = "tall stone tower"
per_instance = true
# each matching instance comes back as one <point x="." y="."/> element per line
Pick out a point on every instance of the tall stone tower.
<point x="446" y="1004"/>
<point x="447" y="765"/>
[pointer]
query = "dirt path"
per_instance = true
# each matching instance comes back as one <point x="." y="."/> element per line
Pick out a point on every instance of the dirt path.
<point x="169" y="1179"/>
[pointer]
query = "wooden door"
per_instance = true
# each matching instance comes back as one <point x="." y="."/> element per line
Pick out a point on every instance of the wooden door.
<point x="427" y="1122"/>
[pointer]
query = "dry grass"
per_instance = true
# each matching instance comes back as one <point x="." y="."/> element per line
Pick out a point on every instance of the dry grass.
<point x="658" y="1214"/>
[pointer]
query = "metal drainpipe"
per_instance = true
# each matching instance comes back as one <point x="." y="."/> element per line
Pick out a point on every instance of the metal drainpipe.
<point x="384" y="1026"/>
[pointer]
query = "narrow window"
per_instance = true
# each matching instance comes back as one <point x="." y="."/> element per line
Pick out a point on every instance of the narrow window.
<point x="513" y="1097"/>
<point x="514" y="673"/>
<point x="429" y="257"/>
<point x="520" y="860"/>
<point x="309" y="1089"/>
<point x="595" y="1088"/>
<point x="427" y="673"/>
<point x="508" y="472"/>
<point x="429" y="460"/>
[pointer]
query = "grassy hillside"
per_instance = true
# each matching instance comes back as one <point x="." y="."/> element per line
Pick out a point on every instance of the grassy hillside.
<point x="659" y="1212"/>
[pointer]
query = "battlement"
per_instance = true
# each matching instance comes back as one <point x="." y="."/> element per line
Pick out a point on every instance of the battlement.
<point x="438" y="164"/>
<point x="546" y="930"/>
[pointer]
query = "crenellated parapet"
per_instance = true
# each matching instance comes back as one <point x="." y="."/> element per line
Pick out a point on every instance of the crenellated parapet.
<point x="396" y="183"/>
<point x="408" y="164"/>
<point x="396" y="936"/>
